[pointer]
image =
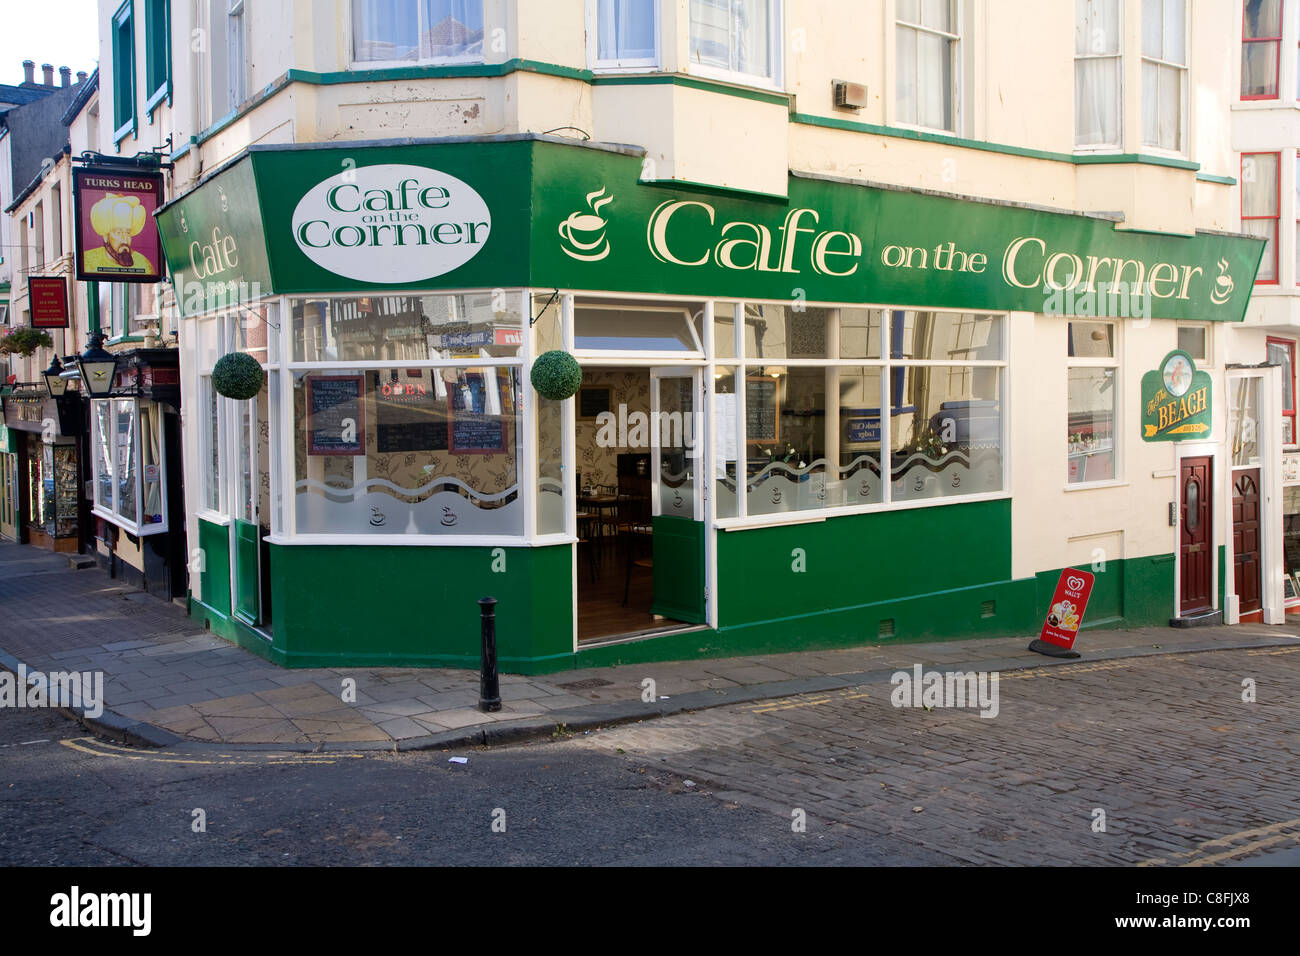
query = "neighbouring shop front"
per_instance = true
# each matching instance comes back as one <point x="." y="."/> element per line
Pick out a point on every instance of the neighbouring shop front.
<point x="804" y="421"/>
<point x="40" y="475"/>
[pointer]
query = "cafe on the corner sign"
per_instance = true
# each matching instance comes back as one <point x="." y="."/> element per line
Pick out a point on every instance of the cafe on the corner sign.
<point x="1176" y="402"/>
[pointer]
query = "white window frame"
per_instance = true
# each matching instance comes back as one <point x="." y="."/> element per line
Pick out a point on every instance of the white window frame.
<point x="355" y="64"/>
<point x="1117" y="419"/>
<point x="956" y="89"/>
<point x="1119" y="57"/>
<point x="776" y="50"/>
<point x="110" y="512"/>
<point x="1183" y="84"/>
<point x="236" y="55"/>
<point x="1208" y="329"/>
<point x="621" y="65"/>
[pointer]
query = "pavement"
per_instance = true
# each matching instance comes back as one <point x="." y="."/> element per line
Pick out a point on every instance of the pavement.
<point x="170" y="683"/>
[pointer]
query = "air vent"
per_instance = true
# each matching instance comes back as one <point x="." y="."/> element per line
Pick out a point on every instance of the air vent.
<point x="849" y="96"/>
<point x="886" y="628"/>
<point x="989" y="609"/>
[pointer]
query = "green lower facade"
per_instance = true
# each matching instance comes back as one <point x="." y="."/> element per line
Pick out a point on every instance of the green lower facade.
<point x="891" y="577"/>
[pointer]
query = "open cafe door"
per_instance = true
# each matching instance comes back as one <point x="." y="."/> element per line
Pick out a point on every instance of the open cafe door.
<point x="676" y="491"/>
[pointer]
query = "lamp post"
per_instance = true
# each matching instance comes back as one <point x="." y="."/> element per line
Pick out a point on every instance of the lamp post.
<point x="54" y="380"/>
<point x="97" y="367"/>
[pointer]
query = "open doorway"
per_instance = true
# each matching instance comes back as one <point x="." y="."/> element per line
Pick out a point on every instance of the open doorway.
<point x="640" y="514"/>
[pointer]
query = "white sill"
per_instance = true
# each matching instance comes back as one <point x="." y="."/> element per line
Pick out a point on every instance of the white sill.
<point x="1093" y="485"/>
<point x="212" y="517"/>
<point x="748" y="80"/>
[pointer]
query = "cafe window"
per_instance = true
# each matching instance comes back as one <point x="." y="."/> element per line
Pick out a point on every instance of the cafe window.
<point x="1260" y="201"/>
<point x="1164" y="73"/>
<point x="928" y="64"/>
<point x="413" y="425"/>
<point x="737" y="37"/>
<point x="130" y="476"/>
<point x="1092" y="374"/>
<point x="799" y="424"/>
<point x="624" y="35"/>
<point x="416" y="31"/>
<point x="124" y="113"/>
<point x="1281" y="352"/>
<point x="1261" y="49"/>
<point x="1097" y="72"/>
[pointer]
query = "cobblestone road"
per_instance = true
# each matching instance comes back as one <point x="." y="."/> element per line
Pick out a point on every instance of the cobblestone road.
<point x="1184" y="770"/>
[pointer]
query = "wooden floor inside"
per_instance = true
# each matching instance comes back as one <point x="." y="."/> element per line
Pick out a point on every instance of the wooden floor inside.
<point x="601" y="613"/>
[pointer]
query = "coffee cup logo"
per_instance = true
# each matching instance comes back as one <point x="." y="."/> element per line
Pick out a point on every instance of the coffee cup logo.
<point x="583" y="233"/>
<point x="1222" y="291"/>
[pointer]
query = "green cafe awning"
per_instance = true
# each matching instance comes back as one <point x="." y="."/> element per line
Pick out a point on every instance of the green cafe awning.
<point x="528" y="210"/>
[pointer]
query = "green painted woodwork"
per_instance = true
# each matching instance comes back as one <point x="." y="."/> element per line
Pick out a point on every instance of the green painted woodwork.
<point x="570" y="216"/>
<point x="679" y="569"/>
<point x="403" y="606"/>
<point x="247" y="543"/>
<point x="214" y="540"/>
<point x="1132" y="592"/>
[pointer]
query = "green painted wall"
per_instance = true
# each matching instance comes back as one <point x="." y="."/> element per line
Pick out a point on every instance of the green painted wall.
<point x="403" y="606"/>
<point x="1134" y="592"/>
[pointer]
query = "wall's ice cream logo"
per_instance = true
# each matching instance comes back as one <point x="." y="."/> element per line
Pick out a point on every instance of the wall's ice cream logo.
<point x="117" y="220"/>
<point x="391" y="223"/>
<point x="584" y="232"/>
<point x="1222" y="290"/>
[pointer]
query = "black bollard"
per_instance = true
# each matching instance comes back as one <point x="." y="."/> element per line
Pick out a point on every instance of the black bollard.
<point x="489" y="686"/>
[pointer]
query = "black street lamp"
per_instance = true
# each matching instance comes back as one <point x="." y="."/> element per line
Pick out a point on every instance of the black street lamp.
<point x="54" y="380"/>
<point x="97" y="367"/>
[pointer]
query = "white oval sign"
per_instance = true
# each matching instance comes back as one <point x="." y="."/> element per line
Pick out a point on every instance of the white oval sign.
<point x="391" y="224"/>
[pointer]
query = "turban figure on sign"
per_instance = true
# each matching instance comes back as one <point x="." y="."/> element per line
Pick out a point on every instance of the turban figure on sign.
<point x="118" y="220"/>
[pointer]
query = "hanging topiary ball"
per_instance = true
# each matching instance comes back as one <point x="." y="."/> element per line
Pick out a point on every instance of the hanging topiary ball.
<point x="556" y="375"/>
<point x="238" y="376"/>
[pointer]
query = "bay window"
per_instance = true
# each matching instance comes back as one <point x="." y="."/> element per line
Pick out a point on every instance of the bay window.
<point x="1261" y="49"/>
<point x="625" y="34"/>
<point x="741" y="37"/>
<point x="409" y="31"/>
<point x="1097" y="72"/>
<point x="1164" y="73"/>
<point x="129" y="464"/>
<point x="1260" y="201"/>
<point x="928" y="64"/>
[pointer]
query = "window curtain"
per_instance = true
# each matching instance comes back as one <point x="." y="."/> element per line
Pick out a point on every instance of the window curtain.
<point x="452" y="28"/>
<point x="625" y="30"/>
<point x="1259" y="199"/>
<point x="385" y="29"/>
<point x="732" y="35"/>
<point x="925" y="64"/>
<point x="151" y="450"/>
<point x="1096" y="72"/>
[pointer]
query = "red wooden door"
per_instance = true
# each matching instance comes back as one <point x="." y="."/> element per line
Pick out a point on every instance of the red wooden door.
<point x="1245" y="538"/>
<point x="1195" y="549"/>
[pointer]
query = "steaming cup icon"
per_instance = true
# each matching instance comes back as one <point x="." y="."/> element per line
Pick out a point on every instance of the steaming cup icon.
<point x="1222" y="285"/>
<point x="585" y="233"/>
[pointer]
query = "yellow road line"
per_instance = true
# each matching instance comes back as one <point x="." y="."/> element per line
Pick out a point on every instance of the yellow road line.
<point x="99" y="748"/>
<point x="1260" y="838"/>
<point x="812" y="702"/>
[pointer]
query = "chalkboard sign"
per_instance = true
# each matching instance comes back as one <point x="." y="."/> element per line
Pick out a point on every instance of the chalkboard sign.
<point x="336" y="421"/>
<point x="593" y="401"/>
<point x="408" y="414"/>
<point x="762" y="409"/>
<point x="475" y="429"/>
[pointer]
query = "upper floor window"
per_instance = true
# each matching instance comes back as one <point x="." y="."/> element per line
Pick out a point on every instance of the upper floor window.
<point x="123" y="72"/>
<point x="1164" y="71"/>
<point x="157" y="51"/>
<point x="1261" y="49"/>
<point x="927" y="38"/>
<point x="737" y="36"/>
<point x="625" y="33"/>
<point x="236" y="65"/>
<point x="1097" y="72"/>
<point x="387" y="31"/>
<point x="1259" y="207"/>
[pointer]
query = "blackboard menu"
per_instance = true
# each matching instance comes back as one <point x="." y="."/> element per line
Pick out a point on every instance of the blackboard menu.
<point x="408" y="414"/>
<point x="336" y="421"/>
<point x="593" y="401"/>
<point x="474" y="428"/>
<point x="762" y="409"/>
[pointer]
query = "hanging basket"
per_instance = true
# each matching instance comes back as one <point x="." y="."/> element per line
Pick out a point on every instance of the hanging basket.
<point x="556" y="375"/>
<point x="238" y="376"/>
<point x="25" y="340"/>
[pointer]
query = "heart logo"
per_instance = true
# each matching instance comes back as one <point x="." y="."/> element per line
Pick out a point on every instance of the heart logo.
<point x="1074" y="584"/>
